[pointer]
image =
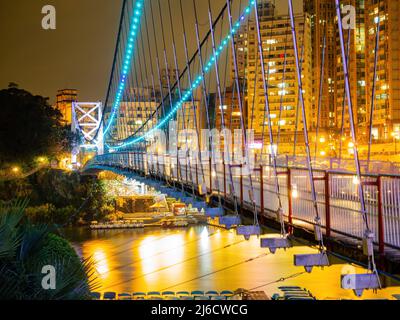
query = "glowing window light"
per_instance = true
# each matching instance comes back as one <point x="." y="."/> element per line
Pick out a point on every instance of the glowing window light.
<point x="194" y="86"/>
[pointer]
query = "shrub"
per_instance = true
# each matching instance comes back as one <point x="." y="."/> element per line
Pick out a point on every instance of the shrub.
<point x="26" y="248"/>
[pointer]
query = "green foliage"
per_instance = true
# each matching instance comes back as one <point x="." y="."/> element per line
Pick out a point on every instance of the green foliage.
<point x="60" y="197"/>
<point x="29" y="127"/>
<point x="25" y="249"/>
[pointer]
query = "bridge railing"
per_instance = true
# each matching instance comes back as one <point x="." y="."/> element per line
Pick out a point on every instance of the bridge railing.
<point x="337" y="195"/>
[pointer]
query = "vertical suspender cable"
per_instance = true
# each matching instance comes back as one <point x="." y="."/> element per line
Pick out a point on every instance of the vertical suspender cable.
<point x="305" y="129"/>
<point x="373" y="94"/>
<point x="368" y="233"/>
<point x="206" y="99"/>
<point x="268" y="112"/>
<point x="191" y="94"/>
<point x="237" y="84"/>
<point x="321" y="90"/>
<point x="344" y="101"/>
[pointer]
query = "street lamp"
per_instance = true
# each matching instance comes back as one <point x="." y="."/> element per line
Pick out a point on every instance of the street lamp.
<point x="396" y="136"/>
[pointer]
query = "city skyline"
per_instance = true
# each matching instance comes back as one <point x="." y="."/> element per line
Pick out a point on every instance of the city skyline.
<point x="77" y="55"/>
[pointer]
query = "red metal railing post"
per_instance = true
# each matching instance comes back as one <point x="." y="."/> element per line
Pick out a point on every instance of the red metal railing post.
<point x="381" y="226"/>
<point x="241" y="188"/>
<point x="211" y="184"/>
<point x="262" y="189"/>
<point x="327" y="205"/>
<point x="197" y="175"/>
<point x="224" y="179"/>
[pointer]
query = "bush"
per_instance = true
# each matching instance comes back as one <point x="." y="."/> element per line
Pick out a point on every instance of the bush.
<point x="25" y="249"/>
<point x="60" y="197"/>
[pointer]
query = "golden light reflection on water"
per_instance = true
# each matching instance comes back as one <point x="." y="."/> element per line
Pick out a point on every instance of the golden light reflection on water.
<point x="203" y="258"/>
<point x="100" y="262"/>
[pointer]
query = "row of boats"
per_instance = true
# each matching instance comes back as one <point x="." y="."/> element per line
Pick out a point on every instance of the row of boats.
<point x="127" y="224"/>
<point x="286" y="293"/>
<point x="167" y="295"/>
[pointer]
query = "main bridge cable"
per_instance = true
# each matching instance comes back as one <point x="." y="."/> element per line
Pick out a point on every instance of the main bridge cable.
<point x="268" y="112"/>
<point x="130" y="141"/>
<point x="113" y="65"/>
<point x="368" y="233"/>
<point x="126" y="64"/>
<point x="318" y="232"/>
<point x="163" y="98"/>
<point x="130" y="82"/>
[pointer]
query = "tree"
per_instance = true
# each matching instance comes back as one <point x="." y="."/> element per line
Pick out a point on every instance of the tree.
<point x="29" y="127"/>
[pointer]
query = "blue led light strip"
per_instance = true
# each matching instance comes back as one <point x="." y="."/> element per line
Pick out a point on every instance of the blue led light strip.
<point x="137" y="13"/>
<point x="198" y="80"/>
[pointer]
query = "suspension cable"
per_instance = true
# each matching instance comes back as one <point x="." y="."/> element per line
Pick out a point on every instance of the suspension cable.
<point x="321" y="88"/>
<point x="305" y="127"/>
<point x="212" y="154"/>
<point x="344" y="100"/>
<point x="371" y="119"/>
<point x="268" y="112"/>
<point x="191" y="94"/>
<point x="368" y="232"/>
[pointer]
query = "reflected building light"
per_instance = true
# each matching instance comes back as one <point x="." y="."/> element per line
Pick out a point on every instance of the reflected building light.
<point x="100" y="262"/>
<point x="295" y="192"/>
<point x="356" y="181"/>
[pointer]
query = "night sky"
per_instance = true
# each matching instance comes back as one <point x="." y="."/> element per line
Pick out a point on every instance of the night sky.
<point x="78" y="54"/>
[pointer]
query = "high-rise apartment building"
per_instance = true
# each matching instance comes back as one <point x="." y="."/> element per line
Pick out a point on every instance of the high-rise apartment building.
<point x="323" y="38"/>
<point x="281" y="75"/>
<point x="65" y="98"/>
<point x="386" y="118"/>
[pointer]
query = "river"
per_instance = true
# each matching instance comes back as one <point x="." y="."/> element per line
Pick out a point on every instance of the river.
<point x="203" y="258"/>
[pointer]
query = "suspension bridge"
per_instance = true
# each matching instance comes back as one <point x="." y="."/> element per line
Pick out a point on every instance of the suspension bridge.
<point x="199" y="100"/>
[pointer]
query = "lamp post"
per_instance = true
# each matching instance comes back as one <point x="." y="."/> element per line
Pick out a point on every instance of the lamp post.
<point x="396" y="137"/>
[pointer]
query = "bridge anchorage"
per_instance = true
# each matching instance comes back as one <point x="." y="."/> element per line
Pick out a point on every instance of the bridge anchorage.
<point x="174" y="104"/>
